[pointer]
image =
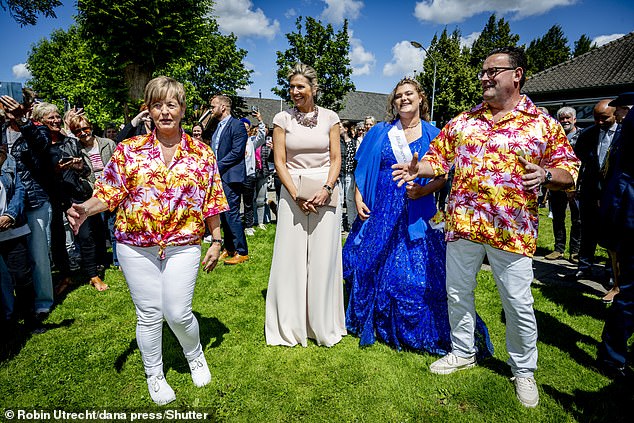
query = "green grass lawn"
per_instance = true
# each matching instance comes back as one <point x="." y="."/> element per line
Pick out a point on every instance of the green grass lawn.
<point x="88" y="359"/>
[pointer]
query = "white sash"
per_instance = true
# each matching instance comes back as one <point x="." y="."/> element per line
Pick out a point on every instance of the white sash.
<point x="400" y="146"/>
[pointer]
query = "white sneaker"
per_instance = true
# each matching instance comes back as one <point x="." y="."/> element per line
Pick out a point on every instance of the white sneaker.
<point x="160" y="391"/>
<point x="200" y="371"/>
<point x="451" y="363"/>
<point x="208" y="239"/>
<point x="249" y="231"/>
<point x="262" y="226"/>
<point x="526" y="391"/>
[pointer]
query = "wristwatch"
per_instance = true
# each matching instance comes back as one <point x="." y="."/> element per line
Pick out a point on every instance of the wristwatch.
<point x="328" y="189"/>
<point x="549" y="177"/>
<point x="22" y="121"/>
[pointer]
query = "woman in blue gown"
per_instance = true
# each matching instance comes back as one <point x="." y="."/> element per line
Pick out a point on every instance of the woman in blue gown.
<point x="394" y="261"/>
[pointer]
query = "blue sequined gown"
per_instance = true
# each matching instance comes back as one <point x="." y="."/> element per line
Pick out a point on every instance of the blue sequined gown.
<point x="396" y="286"/>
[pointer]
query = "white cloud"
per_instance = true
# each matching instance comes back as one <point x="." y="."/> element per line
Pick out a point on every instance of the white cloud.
<point x="469" y="39"/>
<point x="290" y="13"/>
<point x="362" y="61"/>
<point x="405" y="59"/>
<point x="20" y="71"/>
<point x="604" y="39"/>
<point x="450" y="11"/>
<point x="238" y="16"/>
<point x="338" y="10"/>
<point x="245" y="92"/>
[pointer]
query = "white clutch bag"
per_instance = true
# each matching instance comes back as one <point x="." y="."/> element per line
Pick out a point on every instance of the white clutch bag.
<point x="309" y="185"/>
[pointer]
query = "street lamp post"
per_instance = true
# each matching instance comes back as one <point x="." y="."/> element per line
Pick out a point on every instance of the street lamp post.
<point x="433" y="90"/>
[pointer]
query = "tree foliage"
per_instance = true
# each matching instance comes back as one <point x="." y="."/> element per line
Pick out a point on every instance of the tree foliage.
<point x="455" y="87"/>
<point x="494" y="34"/>
<point x="325" y="50"/>
<point x="547" y="51"/>
<point x="583" y="45"/>
<point x="25" y="12"/>
<point x="97" y="67"/>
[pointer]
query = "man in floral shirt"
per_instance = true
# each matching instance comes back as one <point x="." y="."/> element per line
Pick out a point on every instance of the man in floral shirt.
<point x="503" y="151"/>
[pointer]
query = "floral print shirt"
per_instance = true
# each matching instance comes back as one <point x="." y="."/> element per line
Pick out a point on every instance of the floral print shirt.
<point x="158" y="204"/>
<point x="488" y="203"/>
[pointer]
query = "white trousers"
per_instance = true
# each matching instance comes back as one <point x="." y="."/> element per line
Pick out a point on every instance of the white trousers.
<point x="513" y="274"/>
<point x="162" y="289"/>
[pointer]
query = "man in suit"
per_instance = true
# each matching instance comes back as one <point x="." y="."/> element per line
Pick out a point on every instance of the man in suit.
<point x="617" y="231"/>
<point x="592" y="148"/>
<point x="229" y="142"/>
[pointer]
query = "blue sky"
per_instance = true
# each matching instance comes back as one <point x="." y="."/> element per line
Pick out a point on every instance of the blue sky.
<point x="380" y="30"/>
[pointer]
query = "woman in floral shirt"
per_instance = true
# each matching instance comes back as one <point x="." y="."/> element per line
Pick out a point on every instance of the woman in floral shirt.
<point x="166" y="186"/>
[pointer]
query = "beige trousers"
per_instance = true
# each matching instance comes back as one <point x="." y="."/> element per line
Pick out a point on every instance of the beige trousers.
<point x="305" y="294"/>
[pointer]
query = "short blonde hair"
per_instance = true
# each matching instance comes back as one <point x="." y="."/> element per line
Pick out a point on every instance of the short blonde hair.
<point x="42" y="109"/>
<point x="78" y="122"/>
<point x="162" y="88"/>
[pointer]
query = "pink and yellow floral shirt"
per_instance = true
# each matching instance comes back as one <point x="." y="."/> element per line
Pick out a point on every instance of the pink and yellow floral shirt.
<point x="158" y="204"/>
<point x="488" y="203"/>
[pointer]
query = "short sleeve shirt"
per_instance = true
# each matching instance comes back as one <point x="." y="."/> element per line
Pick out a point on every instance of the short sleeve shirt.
<point x="488" y="203"/>
<point x="158" y="204"/>
<point x="307" y="147"/>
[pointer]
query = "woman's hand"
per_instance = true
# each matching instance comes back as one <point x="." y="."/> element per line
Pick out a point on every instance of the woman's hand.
<point x="362" y="209"/>
<point x="5" y="222"/>
<point x="321" y="198"/>
<point x="76" y="215"/>
<point x="141" y="117"/>
<point x="306" y="206"/>
<point x="414" y="191"/>
<point x="12" y="108"/>
<point x="211" y="257"/>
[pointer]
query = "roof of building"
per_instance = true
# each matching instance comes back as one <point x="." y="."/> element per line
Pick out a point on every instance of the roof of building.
<point x="607" y="70"/>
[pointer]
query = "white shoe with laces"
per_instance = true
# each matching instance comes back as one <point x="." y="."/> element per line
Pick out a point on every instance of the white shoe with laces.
<point x="201" y="375"/>
<point x="526" y="391"/>
<point x="160" y="391"/>
<point x="451" y="363"/>
<point x="249" y="231"/>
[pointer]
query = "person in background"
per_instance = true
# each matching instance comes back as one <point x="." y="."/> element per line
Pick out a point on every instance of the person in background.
<point x="167" y="187"/>
<point x="305" y="294"/>
<point x="346" y="176"/>
<point x="591" y="148"/>
<point x="14" y="247"/>
<point x="98" y="151"/>
<point x="139" y="125"/>
<point x="560" y="200"/>
<point x="616" y="234"/>
<point x="503" y="150"/>
<point x="393" y="259"/>
<point x="229" y="142"/>
<point x="197" y="133"/>
<point x="63" y="174"/>
<point x="262" y="173"/>
<point x="111" y="131"/>
<point x="257" y="137"/>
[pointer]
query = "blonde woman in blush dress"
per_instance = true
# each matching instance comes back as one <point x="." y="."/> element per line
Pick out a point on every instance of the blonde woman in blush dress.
<point x="305" y="294"/>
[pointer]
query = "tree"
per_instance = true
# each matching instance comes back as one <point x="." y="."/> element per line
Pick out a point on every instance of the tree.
<point x="25" y="12"/>
<point x="583" y="45"/>
<point x="140" y="36"/>
<point x="70" y="67"/>
<point x="494" y="34"/>
<point x="326" y="51"/>
<point x="547" y="51"/>
<point x="456" y="90"/>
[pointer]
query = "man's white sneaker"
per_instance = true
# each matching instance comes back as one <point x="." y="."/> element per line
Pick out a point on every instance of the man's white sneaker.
<point x="262" y="226"/>
<point x="200" y="371"/>
<point x="526" y="391"/>
<point x="249" y="231"/>
<point x="451" y="363"/>
<point x="160" y="391"/>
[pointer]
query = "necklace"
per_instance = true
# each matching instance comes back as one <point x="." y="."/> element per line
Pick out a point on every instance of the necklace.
<point x="302" y="119"/>
<point x="412" y="126"/>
